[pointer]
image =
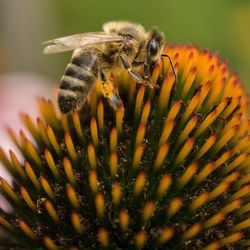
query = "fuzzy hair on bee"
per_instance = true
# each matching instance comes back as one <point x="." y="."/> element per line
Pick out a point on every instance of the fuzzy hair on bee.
<point x="122" y="45"/>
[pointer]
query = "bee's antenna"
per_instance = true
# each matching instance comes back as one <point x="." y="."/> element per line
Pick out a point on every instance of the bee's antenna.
<point x="172" y="66"/>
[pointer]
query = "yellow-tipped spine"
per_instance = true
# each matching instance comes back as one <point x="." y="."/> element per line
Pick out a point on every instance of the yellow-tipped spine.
<point x="116" y="194"/>
<point x="69" y="171"/>
<point x="140" y="182"/>
<point x="26" y="196"/>
<point x="94" y="132"/>
<point x="76" y="222"/>
<point x="92" y="156"/>
<point x="27" y="230"/>
<point x="51" y="211"/>
<point x="70" y="147"/>
<point x="113" y="139"/>
<point x="100" y="205"/>
<point x="72" y="196"/>
<point x="124" y="220"/>
<point x="31" y="174"/>
<point x="164" y="185"/>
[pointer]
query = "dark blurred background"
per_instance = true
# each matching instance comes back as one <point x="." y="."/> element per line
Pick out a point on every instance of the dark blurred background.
<point x="222" y="26"/>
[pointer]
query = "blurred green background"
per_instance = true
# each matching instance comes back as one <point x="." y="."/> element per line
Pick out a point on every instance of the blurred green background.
<point x="222" y="26"/>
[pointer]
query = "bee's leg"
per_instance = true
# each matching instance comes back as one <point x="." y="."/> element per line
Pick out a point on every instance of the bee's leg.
<point x="132" y="73"/>
<point x="126" y="65"/>
<point x="172" y="66"/>
<point x="110" y="92"/>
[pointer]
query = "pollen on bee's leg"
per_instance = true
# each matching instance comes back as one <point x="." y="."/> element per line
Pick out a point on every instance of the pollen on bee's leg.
<point x="112" y="96"/>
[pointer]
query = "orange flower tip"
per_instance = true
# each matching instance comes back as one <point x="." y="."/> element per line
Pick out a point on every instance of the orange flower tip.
<point x="119" y="118"/>
<point x="192" y="231"/>
<point x="235" y="176"/>
<point x="238" y="116"/>
<point x="174" y="206"/>
<point x="169" y="46"/>
<point x="124" y="220"/>
<point x="120" y="107"/>
<point x="207" y="85"/>
<point x="67" y="135"/>
<point x="197" y="95"/>
<point x="176" y="66"/>
<point x="176" y="56"/>
<point x="116" y="193"/>
<point x="223" y="80"/>
<point x="191" y="55"/>
<point x="113" y="139"/>
<point x="103" y="237"/>
<point x="223" y="70"/>
<point x="148" y="210"/>
<point x="38" y="120"/>
<point x="69" y="171"/>
<point x="188" y="46"/>
<point x="193" y="70"/>
<point x="70" y="146"/>
<point x="161" y="155"/>
<point x="27" y="230"/>
<point x="211" y="68"/>
<point x="72" y="196"/>
<point x="113" y="164"/>
<point x="49" y="243"/>
<point x="235" y="83"/>
<point x="235" y="128"/>
<point x="209" y="56"/>
<point x="76" y="222"/>
<point x="165" y="235"/>
<point x="92" y="120"/>
<point x="164" y="185"/>
<point x="205" y="52"/>
<point x="140" y="183"/>
<point x="100" y="205"/>
<point x="92" y="156"/>
<point x="51" y="210"/>
<point x="5" y="224"/>
<point x="239" y="202"/>
<point x="157" y="66"/>
<point x="140" y="239"/>
<point x="214" y="220"/>
<point x="140" y="134"/>
<point x="168" y="78"/>
<point x="93" y="181"/>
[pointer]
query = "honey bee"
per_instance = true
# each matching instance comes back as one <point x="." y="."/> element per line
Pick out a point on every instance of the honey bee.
<point x="121" y="46"/>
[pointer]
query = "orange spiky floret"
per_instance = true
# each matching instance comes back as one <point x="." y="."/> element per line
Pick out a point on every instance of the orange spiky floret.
<point x="170" y="170"/>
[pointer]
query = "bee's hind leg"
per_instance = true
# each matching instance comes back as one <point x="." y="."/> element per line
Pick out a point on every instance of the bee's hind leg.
<point x="110" y="92"/>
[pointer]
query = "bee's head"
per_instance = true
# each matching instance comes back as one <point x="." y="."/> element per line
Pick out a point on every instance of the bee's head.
<point x="154" y="46"/>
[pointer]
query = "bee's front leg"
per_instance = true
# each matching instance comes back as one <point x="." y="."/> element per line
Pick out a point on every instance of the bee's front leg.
<point x="132" y="73"/>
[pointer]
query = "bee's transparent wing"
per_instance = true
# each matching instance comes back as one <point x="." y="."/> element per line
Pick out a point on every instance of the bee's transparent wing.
<point x="68" y="43"/>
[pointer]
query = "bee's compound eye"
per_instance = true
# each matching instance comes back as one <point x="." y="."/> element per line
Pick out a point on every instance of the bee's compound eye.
<point x="153" y="47"/>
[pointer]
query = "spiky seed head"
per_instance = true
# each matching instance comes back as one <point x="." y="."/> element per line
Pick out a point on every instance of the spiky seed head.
<point x="169" y="171"/>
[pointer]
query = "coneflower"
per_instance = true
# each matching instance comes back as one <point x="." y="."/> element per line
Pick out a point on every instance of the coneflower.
<point x="169" y="171"/>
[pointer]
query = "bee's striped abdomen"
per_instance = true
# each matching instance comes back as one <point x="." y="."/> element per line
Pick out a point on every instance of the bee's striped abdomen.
<point x="78" y="79"/>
